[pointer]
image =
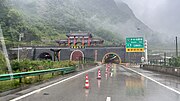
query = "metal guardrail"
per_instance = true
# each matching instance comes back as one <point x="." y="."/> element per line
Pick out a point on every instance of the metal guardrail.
<point x="65" y="70"/>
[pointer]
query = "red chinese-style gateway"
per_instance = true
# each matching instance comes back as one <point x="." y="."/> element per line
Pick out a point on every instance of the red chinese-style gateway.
<point x="80" y="39"/>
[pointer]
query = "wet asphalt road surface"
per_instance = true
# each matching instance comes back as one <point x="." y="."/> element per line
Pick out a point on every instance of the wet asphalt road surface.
<point x="116" y="84"/>
<point x="166" y="79"/>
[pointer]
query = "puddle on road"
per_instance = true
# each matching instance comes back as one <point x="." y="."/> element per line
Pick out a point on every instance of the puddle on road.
<point x="134" y="86"/>
<point x="45" y="93"/>
<point x="86" y="92"/>
<point x="99" y="83"/>
<point x="19" y="93"/>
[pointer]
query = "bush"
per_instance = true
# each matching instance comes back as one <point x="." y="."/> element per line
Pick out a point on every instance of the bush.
<point x="174" y="62"/>
<point x="9" y="84"/>
<point x="28" y="65"/>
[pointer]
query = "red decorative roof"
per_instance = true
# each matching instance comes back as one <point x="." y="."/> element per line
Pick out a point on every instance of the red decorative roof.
<point x="79" y="35"/>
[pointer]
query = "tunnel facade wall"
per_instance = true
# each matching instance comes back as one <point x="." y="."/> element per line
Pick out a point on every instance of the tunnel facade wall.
<point x="92" y="53"/>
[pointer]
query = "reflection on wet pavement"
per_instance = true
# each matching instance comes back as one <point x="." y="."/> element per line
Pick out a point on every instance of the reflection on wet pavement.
<point x="134" y="86"/>
<point x="116" y="82"/>
<point x="169" y="80"/>
<point x="99" y="83"/>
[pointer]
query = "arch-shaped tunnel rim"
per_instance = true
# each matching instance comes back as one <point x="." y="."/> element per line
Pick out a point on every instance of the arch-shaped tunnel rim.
<point x="76" y="51"/>
<point x="103" y="60"/>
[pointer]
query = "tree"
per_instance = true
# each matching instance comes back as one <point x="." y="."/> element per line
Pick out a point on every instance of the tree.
<point x="3" y="67"/>
<point x="175" y="61"/>
<point x="13" y="24"/>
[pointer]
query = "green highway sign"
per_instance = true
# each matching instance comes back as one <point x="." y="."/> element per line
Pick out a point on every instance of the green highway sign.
<point x="135" y="44"/>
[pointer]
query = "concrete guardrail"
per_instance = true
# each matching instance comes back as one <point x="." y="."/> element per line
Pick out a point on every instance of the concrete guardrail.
<point x="163" y="69"/>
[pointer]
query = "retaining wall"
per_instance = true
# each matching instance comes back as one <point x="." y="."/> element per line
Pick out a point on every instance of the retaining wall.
<point x="163" y="69"/>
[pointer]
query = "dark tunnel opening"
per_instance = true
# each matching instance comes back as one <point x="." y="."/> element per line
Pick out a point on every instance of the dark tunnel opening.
<point x="112" y="58"/>
<point x="45" y="56"/>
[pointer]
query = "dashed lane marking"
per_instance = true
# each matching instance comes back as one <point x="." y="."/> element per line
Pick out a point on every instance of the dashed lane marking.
<point x="108" y="99"/>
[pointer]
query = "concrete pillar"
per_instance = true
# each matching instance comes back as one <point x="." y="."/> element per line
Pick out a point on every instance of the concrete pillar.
<point x="89" y="43"/>
<point x="74" y="40"/>
<point x="95" y="56"/>
<point x="59" y="56"/>
<point x="83" y="41"/>
<point x="68" y="41"/>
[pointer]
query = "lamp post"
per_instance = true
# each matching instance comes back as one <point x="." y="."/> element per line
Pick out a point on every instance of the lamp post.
<point x="176" y="47"/>
<point x="21" y="35"/>
<point x="145" y="47"/>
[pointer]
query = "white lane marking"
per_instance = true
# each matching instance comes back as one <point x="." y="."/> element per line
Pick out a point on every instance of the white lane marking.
<point x="154" y="81"/>
<point x="108" y="99"/>
<point x="36" y="91"/>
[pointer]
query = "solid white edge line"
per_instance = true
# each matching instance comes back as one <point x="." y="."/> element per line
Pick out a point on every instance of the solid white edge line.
<point x="108" y="99"/>
<point x="153" y="80"/>
<point x="38" y="90"/>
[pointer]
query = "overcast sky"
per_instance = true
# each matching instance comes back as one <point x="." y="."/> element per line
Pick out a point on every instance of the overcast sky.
<point x="160" y="15"/>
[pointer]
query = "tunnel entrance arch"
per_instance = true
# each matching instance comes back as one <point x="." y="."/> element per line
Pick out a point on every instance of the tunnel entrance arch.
<point x="45" y="56"/>
<point x="77" y="55"/>
<point x="111" y="57"/>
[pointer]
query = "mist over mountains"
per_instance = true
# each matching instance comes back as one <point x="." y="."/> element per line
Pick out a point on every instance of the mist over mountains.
<point x="102" y="17"/>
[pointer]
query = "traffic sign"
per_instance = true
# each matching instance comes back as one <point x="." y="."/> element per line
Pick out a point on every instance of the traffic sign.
<point x="142" y="59"/>
<point x="135" y="44"/>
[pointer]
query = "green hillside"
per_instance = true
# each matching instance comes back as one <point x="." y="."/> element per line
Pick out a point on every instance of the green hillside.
<point x="43" y="22"/>
<point x="38" y="31"/>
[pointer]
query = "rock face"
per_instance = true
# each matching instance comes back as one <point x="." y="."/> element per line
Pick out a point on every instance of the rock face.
<point x="87" y="15"/>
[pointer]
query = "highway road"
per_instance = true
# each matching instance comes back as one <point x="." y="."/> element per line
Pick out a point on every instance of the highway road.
<point x="116" y="84"/>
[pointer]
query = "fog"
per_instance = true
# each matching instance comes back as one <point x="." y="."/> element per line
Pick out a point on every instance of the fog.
<point x="160" y="15"/>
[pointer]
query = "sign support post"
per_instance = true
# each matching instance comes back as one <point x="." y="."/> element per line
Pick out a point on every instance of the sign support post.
<point x="146" y="56"/>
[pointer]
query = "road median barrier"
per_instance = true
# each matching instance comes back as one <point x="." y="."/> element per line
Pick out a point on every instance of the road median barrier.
<point x="163" y="69"/>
